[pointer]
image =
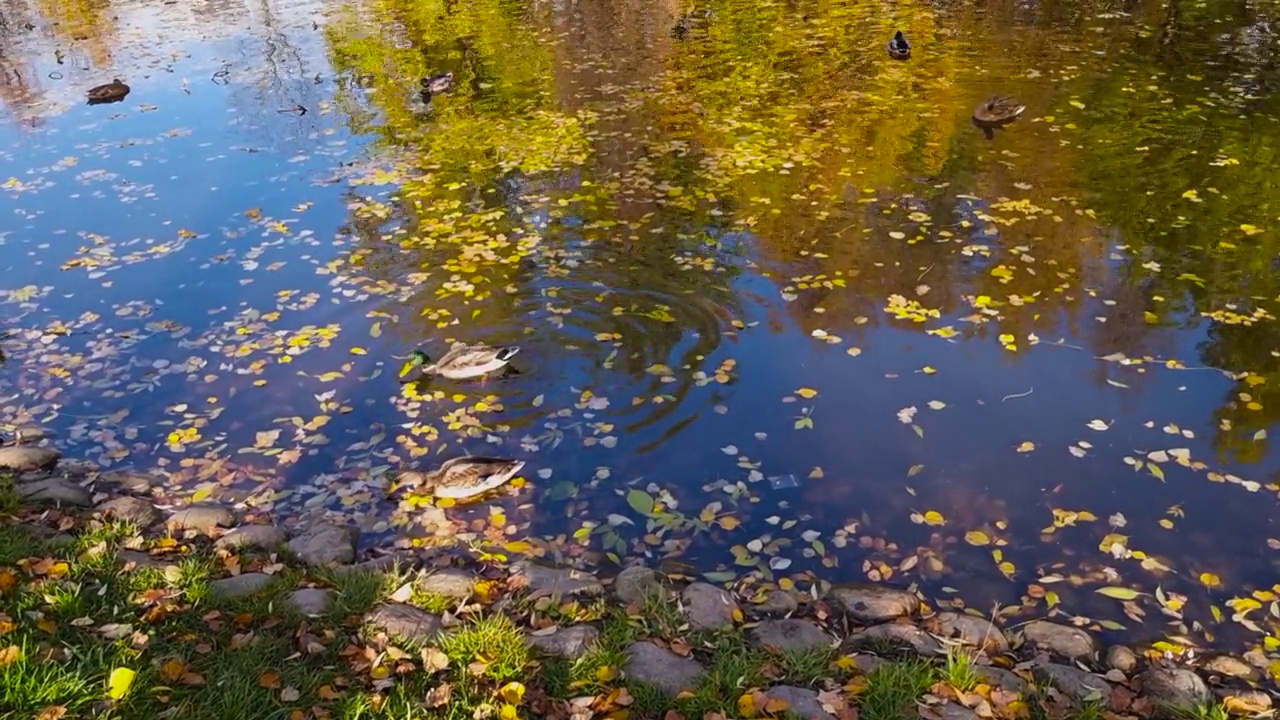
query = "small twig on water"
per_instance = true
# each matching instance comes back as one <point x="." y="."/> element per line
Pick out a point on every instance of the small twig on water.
<point x="1019" y="395"/>
<point x="926" y="272"/>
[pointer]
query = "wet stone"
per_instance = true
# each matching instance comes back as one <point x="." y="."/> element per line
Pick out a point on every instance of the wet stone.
<point x="404" y="622"/>
<point x="30" y="434"/>
<point x="801" y="702"/>
<point x="791" y="635"/>
<point x="1175" y="690"/>
<point x="55" y="491"/>
<point x="131" y="509"/>
<point x="661" y="668"/>
<point x="447" y="582"/>
<point x="1229" y="666"/>
<point x="326" y="544"/>
<point x="1075" y="683"/>
<point x="139" y="559"/>
<point x="542" y="580"/>
<point x="1063" y="640"/>
<point x="310" y="601"/>
<point x="570" y="643"/>
<point x="897" y="635"/>
<point x="402" y="562"/>
<point x="708" y="607"/>
<point x="636" y="584"/>
<point x="1120" y="657"/>
<point x="238" y="586"/>
<point x="267" y="537"/>
<point x="1004" y="679"/>
<point x="972" y="630"/>
<point x="28" y="459"/>
<point x="133" y="482"/>
<point x="773" y="603"/>
<point x="866" y="603"/>
<point x="201" y="517"/>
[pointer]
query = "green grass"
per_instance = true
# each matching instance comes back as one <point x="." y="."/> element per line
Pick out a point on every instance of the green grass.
<point x="958" y="669"/>
<point x="492" y="641"/>
<point x="892" y="689"/>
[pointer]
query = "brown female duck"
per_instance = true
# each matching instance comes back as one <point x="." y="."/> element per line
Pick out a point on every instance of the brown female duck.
<point x="113" y="91"/>
<point x="463" y="477"/>
<point x="998" y="110"/>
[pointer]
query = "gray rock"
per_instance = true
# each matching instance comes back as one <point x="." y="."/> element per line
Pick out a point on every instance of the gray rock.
<point x="140" y="559"/>
<point x="447" y="582"/>
<point x="1063" y="640"/>
<point x="955" y="711"/>
<point x="310" y="601"/>
<point x="201" y="517"/>
<point x="131" y="509"/>
<point x="326" y="544"/>
<point x="972" y="630"/>
<point x="897" y="635"/>
<point x="775" y="603"/>
<point x="661" y="668"/>
<point x="570" y="643"/>
<point x="267" y="537"/>
<point x="238" y="586"/>
<point x="708" y="607"/>
<point x="867" y="603"/>
<point x="1003" y="679"/>
<point x="868" y="663"/>
<point x="27" y="459"/>
<point x="1229" y="666"/>
<point x="404" y="622"/>
<point x="542" y="580"/>
<point x="1120" y="657"/>
<point x="636" y="584"/>
<point x="134" y="482"/>
<point x="801" y="702"/>
<point x="791" y="635"/>
<point x="1175" y="690"/>
<point x="395" y="562"/>
<point x="1075" y="683"/>
<point x="30" y="434"/>
<point x="54" y="490"/>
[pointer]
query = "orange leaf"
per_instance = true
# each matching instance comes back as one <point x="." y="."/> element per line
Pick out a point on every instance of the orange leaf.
<point x="326" y="692"/>
<point x="270" y="680"/>
<point x="173" y="669"/>
<point x="53" y="712"/>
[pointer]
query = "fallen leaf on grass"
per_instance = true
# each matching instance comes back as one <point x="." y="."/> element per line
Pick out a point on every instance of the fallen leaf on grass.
<point x="439" y="695"/>
<point x="119" y="682"/>
<point x="270" y="680"/>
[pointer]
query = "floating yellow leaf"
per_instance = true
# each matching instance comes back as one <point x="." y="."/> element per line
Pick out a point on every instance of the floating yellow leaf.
<point x="807" y="393"/>
<point x="729" y="522"/>
<point x="1210" y="580"/>
<point x="977" y="538"/>
<point x="1250" y="229"/>
<point x="1026" y="446"/>
<point x="1119" y="593"/>
<point x="119" y="682"/>
<point x="933" y="517"/>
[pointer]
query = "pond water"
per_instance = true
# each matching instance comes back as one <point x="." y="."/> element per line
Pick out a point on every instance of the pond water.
<point x="784" y="311"/>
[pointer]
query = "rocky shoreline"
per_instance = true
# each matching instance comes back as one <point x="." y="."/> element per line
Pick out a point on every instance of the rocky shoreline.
<point x="857" y="628"/>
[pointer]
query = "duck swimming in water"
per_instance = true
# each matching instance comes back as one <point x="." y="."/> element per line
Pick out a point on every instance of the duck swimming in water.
<point x="113" y="91"/>
<point x="998" y="110"/>
<point x="436" y="84"/>
<point x="463" y="477"/>
<point x="461" y="362"/>
<point x="899" y="48"/>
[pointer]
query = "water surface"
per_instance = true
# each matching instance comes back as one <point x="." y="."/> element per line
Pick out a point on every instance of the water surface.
<point x="784" y="311"/>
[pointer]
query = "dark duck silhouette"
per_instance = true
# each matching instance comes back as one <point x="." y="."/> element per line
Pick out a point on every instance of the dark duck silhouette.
<point x="436" y="84"/>
<point x="113" y="91"/>
<point x="899" y="48"/>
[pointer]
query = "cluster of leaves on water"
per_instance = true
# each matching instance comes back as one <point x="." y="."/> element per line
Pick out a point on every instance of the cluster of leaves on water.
<point x="648" y="224"/>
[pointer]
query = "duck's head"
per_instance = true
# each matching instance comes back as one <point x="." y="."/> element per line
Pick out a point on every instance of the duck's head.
<point x="418" y="357"/>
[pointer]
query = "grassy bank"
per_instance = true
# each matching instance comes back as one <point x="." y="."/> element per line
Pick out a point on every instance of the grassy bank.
<point x="97" y="621"/>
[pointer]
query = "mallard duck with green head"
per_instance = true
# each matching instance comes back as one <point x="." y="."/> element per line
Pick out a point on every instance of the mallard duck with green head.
<point x="463" y="361"/>
<point x="463" y="477"/>
<point x="899" y="48"/>
<point x="998" y="110"/>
